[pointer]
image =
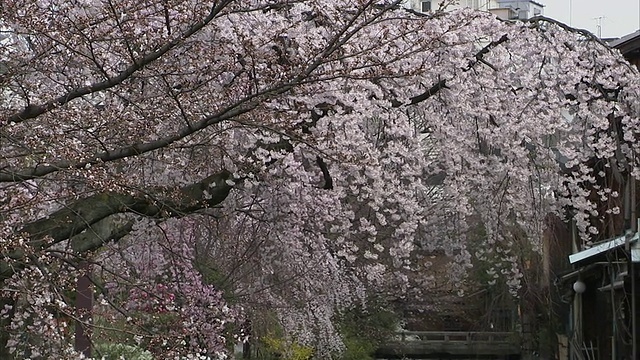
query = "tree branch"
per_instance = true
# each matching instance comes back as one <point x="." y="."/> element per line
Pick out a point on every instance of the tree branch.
<point x="112" y="228"/>
<point x="33" y="111"/>
<point x="328" y="181"/>
<point x="429" y="93"/>
<point x="83" y="221"/>
<point x="92" y="222"/>
<point x="442" y="84"/>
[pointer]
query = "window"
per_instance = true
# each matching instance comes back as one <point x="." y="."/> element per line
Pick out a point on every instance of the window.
<point x="426" y="6"/>
<point x="473" y="4"/>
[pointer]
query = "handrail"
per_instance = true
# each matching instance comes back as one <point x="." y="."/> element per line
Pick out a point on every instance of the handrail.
<point x="459" y="343"/>
<point x="459" y="336"/>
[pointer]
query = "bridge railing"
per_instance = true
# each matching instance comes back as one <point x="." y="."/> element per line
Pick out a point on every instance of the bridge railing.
<point x="427" y="344"/>
<point x="458" y="337"/>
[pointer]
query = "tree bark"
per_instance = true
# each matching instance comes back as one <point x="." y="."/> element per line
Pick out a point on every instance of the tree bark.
<point x="91" y="222"/>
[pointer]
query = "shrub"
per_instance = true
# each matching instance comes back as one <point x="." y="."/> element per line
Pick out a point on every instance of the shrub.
<point x="107" y="351"/>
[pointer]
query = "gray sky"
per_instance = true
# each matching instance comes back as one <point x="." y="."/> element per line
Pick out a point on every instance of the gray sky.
<point x="620" y="17"/>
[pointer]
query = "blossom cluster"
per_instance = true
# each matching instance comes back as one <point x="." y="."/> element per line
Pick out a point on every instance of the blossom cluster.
<point x="222" y="164"/>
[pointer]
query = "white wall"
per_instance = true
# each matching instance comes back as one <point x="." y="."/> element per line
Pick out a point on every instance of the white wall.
<point x="525" y="8"/>
<point x="435" y="4"/>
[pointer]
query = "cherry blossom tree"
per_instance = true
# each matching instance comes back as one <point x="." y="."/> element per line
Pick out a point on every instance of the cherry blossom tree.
<point x="301" y="153"/>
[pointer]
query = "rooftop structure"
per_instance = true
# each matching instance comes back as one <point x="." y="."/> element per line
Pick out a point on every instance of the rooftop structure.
<point x="504" y="9"/>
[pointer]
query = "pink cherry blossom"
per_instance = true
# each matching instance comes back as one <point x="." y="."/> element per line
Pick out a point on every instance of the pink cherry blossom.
<point x="226" y="164"/>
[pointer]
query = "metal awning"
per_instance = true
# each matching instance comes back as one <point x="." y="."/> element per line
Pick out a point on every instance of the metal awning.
<point x="607" y="246"/>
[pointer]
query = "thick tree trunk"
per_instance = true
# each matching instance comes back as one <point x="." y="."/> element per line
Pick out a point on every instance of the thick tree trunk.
<point x="86" y="222"/>
<point x="84" y="307"/>
<point x="5" y="321"/>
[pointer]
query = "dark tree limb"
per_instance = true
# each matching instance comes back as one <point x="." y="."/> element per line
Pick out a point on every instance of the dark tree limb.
<point x="442" y="84"/>
<point x="429" y="93"/>
<point x="328" y="181"/>
<point x="110" y="229"/>
<point x="89" y="223"/>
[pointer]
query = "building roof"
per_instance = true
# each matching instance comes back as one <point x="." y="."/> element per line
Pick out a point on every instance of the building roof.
<point x="607" y="246"/>
<point x="627" y="43"/>
<point x="537" y="3"/>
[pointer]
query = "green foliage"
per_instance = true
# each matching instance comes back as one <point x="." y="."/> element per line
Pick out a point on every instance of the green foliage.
<point x="364" y="328"/>
<point x="110" y="330"/>
<point x="212" y="275"/>
<point x="287" y="349"/>
<point x="157" y="323"/>
<point x="358" y="348"/>
<point x="108" y="351"/>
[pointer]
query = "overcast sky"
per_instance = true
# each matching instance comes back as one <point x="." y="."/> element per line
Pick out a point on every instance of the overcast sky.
<point x="619" y="17"/>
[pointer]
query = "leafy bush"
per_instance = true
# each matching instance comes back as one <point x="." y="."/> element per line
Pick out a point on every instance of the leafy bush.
<point x="107" y="351"/>
<point x="288" y="350"/>
<point x="364" y="329"/>
<point x="358" y="348"/>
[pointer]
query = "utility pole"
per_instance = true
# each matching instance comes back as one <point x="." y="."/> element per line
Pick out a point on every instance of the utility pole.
<point x="632" y="222"/>
<point x="632" y="273"/>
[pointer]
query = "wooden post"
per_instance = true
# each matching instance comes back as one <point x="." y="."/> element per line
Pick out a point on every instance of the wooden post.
<point x="84" y="305"/>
